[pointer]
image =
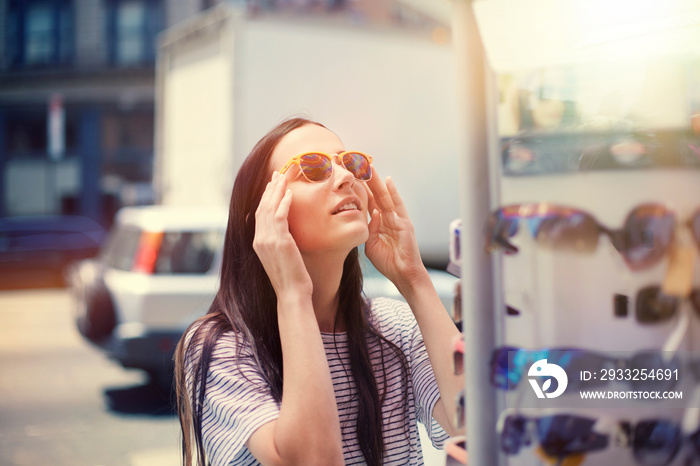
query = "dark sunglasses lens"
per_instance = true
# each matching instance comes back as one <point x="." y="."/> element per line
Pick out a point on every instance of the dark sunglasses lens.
<point x="695" y="442"/>
<point x="316" y="167"/>
<point x="648" y="233"/>
<point x="500" y="228"/>
<point x="507" y="367"/>
<point x="358" y="165"/>
<point x="656" y="442"/>
<point x="565" y="228"/>
<point x="653" y="306"/>
<point x="513" y="435"/>
<point x="564" y="435"/>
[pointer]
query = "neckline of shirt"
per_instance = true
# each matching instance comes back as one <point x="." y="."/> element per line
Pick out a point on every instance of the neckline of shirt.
<point x="330" y="335"/>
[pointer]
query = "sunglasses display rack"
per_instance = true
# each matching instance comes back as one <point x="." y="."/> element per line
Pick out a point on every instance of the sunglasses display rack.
<point x="593" y="229"/>
<point x="567" y="284"/>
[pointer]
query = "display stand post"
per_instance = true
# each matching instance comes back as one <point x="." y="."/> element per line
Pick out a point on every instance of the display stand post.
<point x="476" y="268"/>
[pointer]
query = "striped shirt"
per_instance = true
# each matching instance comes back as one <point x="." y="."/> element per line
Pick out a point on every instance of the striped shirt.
<point x="237" y="402"/>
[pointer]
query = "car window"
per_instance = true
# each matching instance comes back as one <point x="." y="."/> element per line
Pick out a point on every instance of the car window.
<point x="120" y="250"/>
<point x="190" y="252"/>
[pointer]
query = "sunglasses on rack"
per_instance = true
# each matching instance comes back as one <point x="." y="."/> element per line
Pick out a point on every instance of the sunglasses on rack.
<point x="318" y="166"/>
<point x="654" y="306"/>
<point x="559" y="435"/>
<point x="643" y="240"/>
<point x="508" y="364"/>
<point x="654" y="442"/>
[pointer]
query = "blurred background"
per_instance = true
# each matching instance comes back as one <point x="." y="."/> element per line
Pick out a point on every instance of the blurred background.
<point x="123" y="124"/>
<point x="87" y="295"/>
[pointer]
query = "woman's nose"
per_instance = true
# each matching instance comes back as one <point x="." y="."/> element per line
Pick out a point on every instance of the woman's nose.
<point x="341" y="175"/>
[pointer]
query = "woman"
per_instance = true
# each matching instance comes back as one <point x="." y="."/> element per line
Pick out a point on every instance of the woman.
<point x="291" y="365"/>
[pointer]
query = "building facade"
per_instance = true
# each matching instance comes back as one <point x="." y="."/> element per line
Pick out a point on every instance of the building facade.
<point x="77" y="94"/>
<point x="76" y="102"/>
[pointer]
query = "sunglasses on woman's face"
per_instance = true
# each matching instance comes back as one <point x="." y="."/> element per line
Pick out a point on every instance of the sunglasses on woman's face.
<point x="318" y="166"/>
<point x="643" y="240"/>
<point x="654" y="306"/>
<point x="508" y="364"/>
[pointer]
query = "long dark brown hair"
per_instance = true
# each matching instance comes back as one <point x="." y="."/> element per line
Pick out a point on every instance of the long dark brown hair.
<point x="247" y="305"/>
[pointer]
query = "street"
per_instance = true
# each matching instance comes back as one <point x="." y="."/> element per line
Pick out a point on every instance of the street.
<point x="63" y="403"/>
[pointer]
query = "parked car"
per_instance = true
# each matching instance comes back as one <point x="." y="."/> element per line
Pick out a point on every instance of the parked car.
<point x="157" y="273"/>
<point x="36" y="250"/>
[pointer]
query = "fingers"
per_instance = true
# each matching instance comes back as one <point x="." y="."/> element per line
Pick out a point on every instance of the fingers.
<point x="399" y="206"/>
<point x="273" y="194"/>
<point x="278" y="190"/>
<point x="371" y="203"/>
<point x="281" y="223"/>
<point x="266" y="194"/>
<point x="385" y="196"/>
<point x="380" y="192"/>
<point x="375" y="222"/>
<point x="272" y="212"/>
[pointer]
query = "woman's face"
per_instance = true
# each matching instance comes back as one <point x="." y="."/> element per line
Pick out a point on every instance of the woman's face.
<point x="314" y="220"/>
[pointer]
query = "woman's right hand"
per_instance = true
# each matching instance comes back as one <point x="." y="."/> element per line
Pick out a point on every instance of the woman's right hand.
<point x="280" y="441"/>
<point x="274" y="244"/>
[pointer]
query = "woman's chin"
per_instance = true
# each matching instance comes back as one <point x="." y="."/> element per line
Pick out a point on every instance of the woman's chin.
<point x="363" y="235"/>
<point x="357" y="238"/>
<point x="350" y="238"/>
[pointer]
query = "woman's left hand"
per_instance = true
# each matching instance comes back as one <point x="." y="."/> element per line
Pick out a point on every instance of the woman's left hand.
<point x="393" y="249"/>
<point x="392" y="245"/>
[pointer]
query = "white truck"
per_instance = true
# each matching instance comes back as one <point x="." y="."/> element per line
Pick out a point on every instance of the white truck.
<point x="225" y="77"/>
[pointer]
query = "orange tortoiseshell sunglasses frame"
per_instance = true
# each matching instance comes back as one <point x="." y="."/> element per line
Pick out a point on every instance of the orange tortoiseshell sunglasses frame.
<point x="318" y="166"/>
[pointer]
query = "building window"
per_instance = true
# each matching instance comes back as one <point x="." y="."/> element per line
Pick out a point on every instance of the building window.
<point x="39" y="29"/>
<point x="27" y="133"/>
<point x="127" y="143"/>
<point x="131" y="21"/>
<point x="40" y="32"/>
<point x="132" y="28"/>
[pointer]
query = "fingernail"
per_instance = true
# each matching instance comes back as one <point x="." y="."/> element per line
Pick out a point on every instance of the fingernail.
<point x="275" y="174"/>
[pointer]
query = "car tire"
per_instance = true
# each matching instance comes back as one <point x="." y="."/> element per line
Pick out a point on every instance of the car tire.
<point x="95" y="317"/>
<point x="163" y="380"/>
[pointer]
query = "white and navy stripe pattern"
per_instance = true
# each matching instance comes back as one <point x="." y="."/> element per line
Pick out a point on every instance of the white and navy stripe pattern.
<point x="237" y="402"/>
